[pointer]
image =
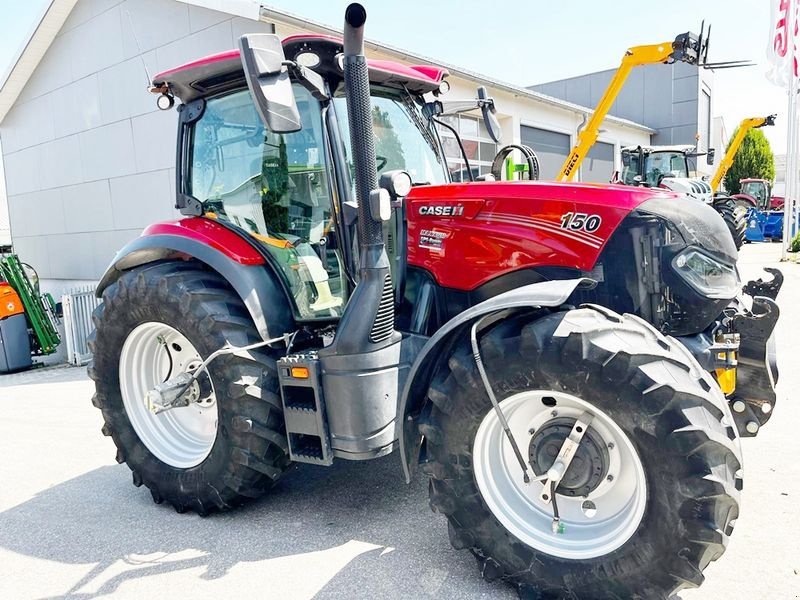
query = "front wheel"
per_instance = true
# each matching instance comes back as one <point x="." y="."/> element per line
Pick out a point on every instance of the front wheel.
<point x="228" y="444"/>
<point x="651" y="494"/>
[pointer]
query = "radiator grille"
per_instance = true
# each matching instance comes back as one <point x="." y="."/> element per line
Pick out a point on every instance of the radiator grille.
<point x="78" y="306"/>
<point x="383" y="325"/>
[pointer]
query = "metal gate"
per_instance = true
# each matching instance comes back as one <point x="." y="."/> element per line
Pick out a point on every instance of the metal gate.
<point x="78" y="306"/>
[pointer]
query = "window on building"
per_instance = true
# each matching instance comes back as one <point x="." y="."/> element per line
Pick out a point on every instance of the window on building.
<point x="478" y="146"/>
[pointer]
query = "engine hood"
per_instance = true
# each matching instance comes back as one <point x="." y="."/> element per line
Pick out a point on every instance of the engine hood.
<point x="466" y="234"/>
<point x="696" y="188"/>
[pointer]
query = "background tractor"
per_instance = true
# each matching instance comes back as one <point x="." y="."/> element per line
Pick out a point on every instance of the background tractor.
<point x="764" y="211"/>
<point x="329" y="296"/>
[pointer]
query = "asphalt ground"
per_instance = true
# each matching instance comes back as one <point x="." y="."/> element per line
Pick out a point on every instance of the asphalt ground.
<point x="72" y="524"/>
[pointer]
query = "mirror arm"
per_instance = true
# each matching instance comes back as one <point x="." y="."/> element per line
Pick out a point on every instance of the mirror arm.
<point x="460" y="145"/>
<point x="311" y="80"/>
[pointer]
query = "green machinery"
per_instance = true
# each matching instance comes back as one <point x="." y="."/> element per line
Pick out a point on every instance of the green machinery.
<point x="40" y="309"/>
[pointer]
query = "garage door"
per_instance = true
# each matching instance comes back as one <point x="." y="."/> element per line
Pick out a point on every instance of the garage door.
<point x="599" y="163"/>
<point x="551" y="147"/>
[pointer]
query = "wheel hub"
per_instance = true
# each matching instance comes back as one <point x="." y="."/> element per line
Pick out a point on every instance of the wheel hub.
<point x="589" y="466"/>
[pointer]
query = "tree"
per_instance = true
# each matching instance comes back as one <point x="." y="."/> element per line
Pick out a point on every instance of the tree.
<point x="754" y="160"/>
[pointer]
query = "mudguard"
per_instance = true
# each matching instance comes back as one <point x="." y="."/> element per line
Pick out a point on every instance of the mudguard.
<point x="412" y="400"/>
<point x="253" y="280"/>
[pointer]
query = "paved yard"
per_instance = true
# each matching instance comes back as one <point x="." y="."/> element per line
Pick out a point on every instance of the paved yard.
<point x="72" y="525"/>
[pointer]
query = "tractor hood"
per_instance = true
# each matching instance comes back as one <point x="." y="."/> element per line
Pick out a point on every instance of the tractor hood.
<point x="467" y="234"/>
<point x="696" y="188"/>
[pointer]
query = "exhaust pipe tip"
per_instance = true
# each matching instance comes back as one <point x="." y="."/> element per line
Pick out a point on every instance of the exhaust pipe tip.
<point x="355" y="15"/>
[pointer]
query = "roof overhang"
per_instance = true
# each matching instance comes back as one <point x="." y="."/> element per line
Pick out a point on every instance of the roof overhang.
<point x="27" y="59"/>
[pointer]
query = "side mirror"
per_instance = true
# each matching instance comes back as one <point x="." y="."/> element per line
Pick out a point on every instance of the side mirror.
<point x="268" y="80"/>
<point x="710" y="156"/>
<point x="489" y="119"/>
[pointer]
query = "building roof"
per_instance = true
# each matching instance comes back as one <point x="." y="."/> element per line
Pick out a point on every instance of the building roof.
<point x="53" y="17"/>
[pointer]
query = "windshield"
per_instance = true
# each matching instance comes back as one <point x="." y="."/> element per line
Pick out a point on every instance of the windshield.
<point x="402" y="138"/>
<point x="656" y="166"/>
<point x="275" y="187"/>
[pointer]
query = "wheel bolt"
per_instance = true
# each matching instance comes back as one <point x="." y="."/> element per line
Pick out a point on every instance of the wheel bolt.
<point x="554" y="413"/>
<point x="610" y="478"/>
<point x="610" y="445"/>
<point x="531" y="431"/>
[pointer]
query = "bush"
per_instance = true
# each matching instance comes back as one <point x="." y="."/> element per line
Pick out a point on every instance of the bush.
<point x="794" y="245"/>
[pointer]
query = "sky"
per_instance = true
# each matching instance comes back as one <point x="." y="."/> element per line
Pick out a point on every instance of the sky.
<point x="535" y="41"/>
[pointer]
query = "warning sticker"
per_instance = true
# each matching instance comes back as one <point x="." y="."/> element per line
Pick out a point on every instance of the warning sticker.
<point x="433" y="240"/>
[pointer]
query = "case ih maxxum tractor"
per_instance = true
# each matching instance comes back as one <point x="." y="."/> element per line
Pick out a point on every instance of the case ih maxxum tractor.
<point x="573" y="365"/>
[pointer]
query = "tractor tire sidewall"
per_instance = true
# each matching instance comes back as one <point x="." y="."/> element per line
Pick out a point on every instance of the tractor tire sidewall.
<point x="650" y="563"/>
<point x="735" y="219"/>
<point x="200" y="306"/>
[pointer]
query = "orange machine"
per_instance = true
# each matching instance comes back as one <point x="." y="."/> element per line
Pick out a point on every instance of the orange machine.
<point x="10" y="304"/>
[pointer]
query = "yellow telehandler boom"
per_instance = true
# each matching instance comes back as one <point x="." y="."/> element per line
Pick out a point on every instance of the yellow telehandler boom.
<point x="727" y="160"/>
<point x="687" y="47"/>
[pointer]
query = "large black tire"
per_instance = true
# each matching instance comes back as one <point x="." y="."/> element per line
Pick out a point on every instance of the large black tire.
<point x="250" y="451"/>
<point x="673" y="413"/>
<point x="735" y="218"/>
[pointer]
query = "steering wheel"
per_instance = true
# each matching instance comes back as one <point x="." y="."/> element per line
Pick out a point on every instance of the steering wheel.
<point x="527" y="152"/>
<point x="381" y="162"/>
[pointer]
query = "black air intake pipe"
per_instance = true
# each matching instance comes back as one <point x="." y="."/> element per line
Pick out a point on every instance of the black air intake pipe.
<point x="368" y="321"/>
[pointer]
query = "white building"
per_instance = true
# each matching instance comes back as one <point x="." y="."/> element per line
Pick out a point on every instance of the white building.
<point x="89" y="159"/>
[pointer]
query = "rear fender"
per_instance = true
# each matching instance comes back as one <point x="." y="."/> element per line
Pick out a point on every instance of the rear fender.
<point x="413" y="400"/>
<point x="745" y="198"/>
<point x="253" y="280"/>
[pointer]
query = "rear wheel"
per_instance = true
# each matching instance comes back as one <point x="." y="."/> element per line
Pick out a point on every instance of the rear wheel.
<point x="735" y="217"/>
<point x="228" y="445"/>
<point x="651" y="494"/>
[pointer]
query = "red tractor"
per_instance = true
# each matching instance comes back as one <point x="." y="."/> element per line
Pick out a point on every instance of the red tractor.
<point x="571" y="364"/>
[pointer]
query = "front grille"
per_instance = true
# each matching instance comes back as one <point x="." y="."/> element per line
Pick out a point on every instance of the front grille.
<point x="383" y="325"/>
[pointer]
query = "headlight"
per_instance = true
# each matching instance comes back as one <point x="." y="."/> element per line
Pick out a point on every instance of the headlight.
<point x="706" y="275"/>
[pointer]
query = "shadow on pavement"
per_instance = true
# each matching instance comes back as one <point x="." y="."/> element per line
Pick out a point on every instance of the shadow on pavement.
<point x="375" y="536"/>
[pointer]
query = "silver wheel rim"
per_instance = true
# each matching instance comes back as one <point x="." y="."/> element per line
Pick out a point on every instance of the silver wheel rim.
<point x="181" y="437"/>
<point x="620" y="502"/>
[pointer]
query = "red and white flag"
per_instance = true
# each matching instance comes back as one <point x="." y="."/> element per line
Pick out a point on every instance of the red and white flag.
<point x="782" y="47"/>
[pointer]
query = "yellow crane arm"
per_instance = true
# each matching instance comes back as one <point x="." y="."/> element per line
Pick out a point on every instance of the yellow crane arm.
<point x="727" y="160"/>
<point x="685" y="48"/>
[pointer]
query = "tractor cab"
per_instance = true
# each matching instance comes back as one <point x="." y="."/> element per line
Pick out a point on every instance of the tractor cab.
<point x="293" y="191"/>
<point x="759" y="190"/>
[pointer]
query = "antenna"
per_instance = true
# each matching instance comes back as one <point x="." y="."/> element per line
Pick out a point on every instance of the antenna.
<point x="139" y="48"/>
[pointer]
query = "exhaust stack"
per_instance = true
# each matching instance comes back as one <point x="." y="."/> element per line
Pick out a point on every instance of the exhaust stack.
<point x="368" y="320"/>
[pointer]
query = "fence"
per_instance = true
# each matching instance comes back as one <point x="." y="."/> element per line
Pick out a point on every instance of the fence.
<point x="78" y="306"/>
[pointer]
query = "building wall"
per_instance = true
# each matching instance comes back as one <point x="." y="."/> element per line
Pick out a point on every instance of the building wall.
<point x="90" y="160"/>
<point x="664" y="97"/>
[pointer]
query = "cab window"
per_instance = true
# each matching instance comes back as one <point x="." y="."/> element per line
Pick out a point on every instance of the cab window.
<point x="275" y="187"/>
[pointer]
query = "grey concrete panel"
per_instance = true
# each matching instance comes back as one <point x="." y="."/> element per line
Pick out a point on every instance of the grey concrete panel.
<point x="71" y="255"/>
<point x="96" y="44"/>
<point x="107" y="151"/>
<point x="217" y="38"/>
<point x="37" y="213"/>
<point x="557" y="89"/>
<point x="685" y="88"/>
<point x="123" y="90"/>
<point x="598" y="82"/>
<point x="577" y="91"/>
<point x="61" y="162"/>
<point x="75" y="107"/>
<point x="33" y="250"/>
<point x="106" y="244"/>
<point x="87" y="207"/>
<point x="152" y="24"/>
<point x="684" y="134"/>
<point x="54" y="71"/>
<point x="85" y="10"/>
<point x="201" y="18"/>
<point x="23" y="170"/>
<point x="28" y="124"/>
<point x="685" y="113"/>
<point x="154" y="140"/>
<point x="142" y="199"/>
<point x="682" y="69"/>
<point x="240" y="26"/>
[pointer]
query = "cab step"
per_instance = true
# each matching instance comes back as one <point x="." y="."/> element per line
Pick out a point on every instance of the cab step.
<point x="304" y="409"/>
